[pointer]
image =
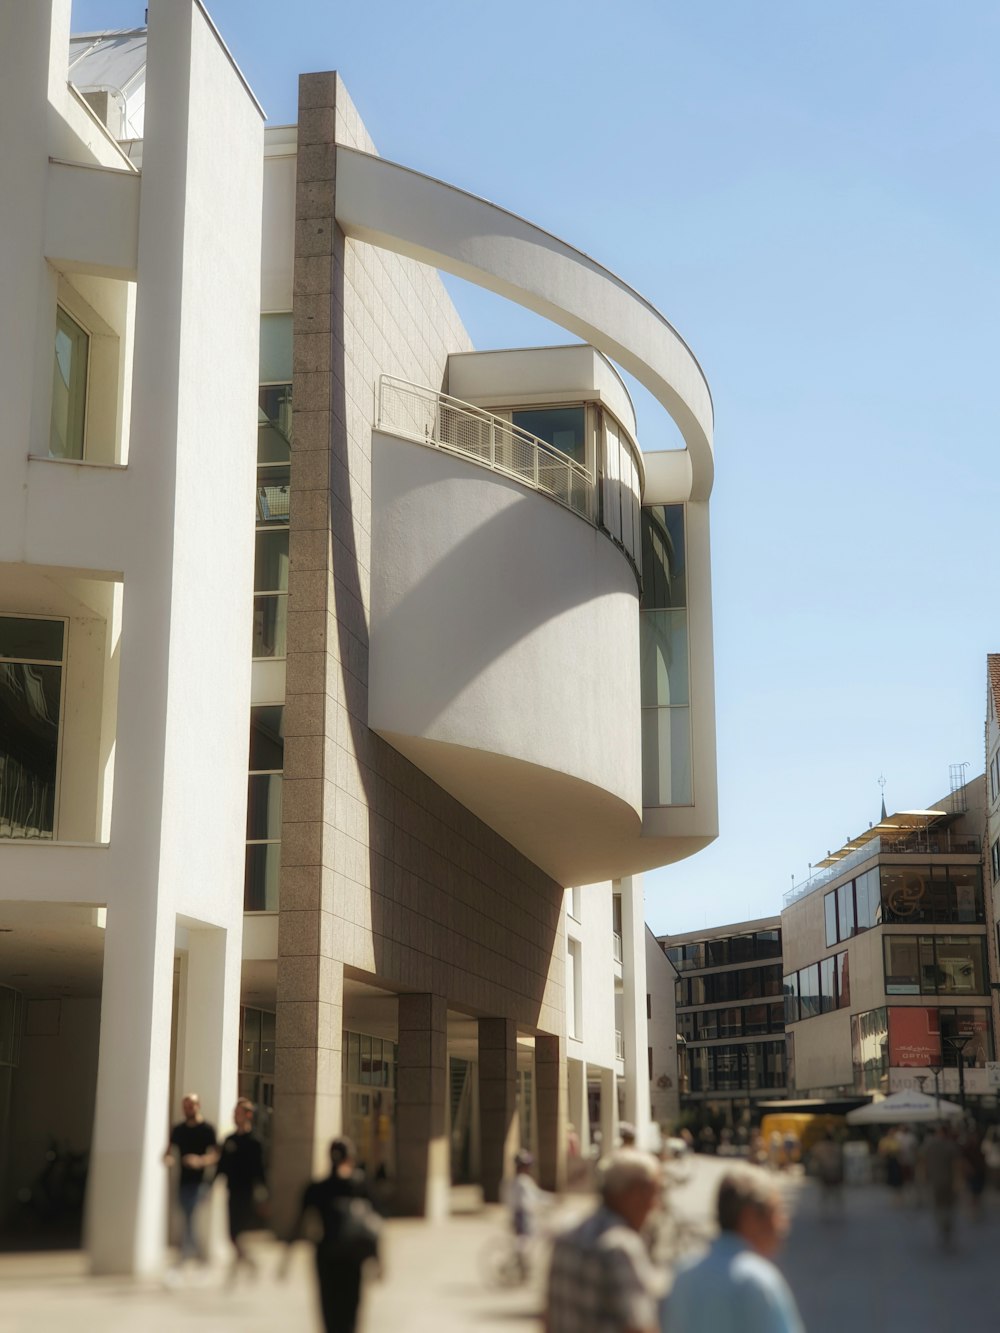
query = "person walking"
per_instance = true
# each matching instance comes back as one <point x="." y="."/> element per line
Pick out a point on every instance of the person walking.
<point x="601" y="1279"/>
<point x="735" y="1288"/>
<point x="942" y="1162"/>
<point x="349" y="1236"/>
<point x="828" y="1165"/>
<point x="524" y="1201"/>
<point x="241" y="1164"/>
<point x="194" y="1145"/>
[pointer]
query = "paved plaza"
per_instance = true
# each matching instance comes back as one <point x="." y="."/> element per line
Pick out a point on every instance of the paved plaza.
<point x="878" y="1268"/>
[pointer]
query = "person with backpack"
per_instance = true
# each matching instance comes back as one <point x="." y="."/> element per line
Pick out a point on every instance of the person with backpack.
<point x="349" y="1236"/>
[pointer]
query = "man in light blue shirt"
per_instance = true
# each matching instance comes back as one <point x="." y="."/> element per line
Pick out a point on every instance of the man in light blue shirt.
<point x="736" y="1288"/>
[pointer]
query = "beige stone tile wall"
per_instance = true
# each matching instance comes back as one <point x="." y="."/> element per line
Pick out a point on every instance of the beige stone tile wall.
<point x="382" y="871"/>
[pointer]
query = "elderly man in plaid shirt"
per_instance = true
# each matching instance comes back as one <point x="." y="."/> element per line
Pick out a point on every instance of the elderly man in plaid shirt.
<point x="602" y="1279"/>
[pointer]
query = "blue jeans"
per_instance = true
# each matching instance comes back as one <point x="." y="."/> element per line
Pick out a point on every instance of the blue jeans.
<point x="191" y="1197"/>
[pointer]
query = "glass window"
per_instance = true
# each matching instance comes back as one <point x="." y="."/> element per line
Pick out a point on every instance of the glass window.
<point x="270" y="572"/>
<point x="770" y="981"/>
<point x="756" y="1019"/>
<point x="69" y="388"/>
<point x="275" y="348"/>
<point x="264" y="807"/>
<point x="26" y="639"/>
<point x="960" y="964"/>
<point x="791" y="990"/>
<point x="843" y="980"/>
<point x="830" y="913"/>
<point x="666" y="756"/>
<point x="562" y="428"/>
<point x="914" y="1037"/>
<point x="935" y="964"/>
<point x="768" y="944"/>
<point x="828" y="984"/>
<point x="267" y="738"/>
<point x="664" y="578"/>
<point x="845" y="910"/>
<point x="809" y="996"/>
<point x="902" y="965"/>
<point x="867" y="899"/>
<point x="263" y="872"/>
<point x="870" y="1044"/>
<point x="741" y="949"/>
<point x="270" y="625"/>
<point x="966" y="891"/>
<point x="730" y="1022"/>
<point x="663" y="664"/>
<point x="707" y="1025"/>
<point x="30" y="702"/>
<point x="904" y="894"/>
<point x="972" y="1024"/>
<point x="717" y="953"/>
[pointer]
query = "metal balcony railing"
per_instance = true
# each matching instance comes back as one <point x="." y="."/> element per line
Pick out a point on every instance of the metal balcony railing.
<point x="437" y="419"/>
<point x="916" y="844"/>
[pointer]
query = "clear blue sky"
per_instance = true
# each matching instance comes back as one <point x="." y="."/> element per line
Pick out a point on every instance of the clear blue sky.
<point x="810" y="194"/>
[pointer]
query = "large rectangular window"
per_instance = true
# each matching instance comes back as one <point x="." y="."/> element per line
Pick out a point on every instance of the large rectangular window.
<point x="663" y="659"/>
<point x="935" y="964"/>
<point x="263" y="856"/>
<point x="830" y="916"/>
<point x="69" y="388"/>
<point x="270" y="603"/>
<point x="938" y="894"/>
<point x="870" y="1048"/>
<point x="31" y="670"/>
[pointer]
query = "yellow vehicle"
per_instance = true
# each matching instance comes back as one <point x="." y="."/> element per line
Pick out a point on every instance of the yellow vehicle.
<point x="806" y="1129"/>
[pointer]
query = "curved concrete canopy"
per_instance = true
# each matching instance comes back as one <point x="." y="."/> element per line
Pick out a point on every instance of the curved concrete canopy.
<point x="397" y="209"/>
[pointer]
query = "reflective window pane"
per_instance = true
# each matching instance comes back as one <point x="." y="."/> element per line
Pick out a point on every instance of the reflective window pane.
<point x="263" y="874"/>
<point x="902" y="965"/>
<point x="663" y="658"/>
<point x="270" y="625"/>
<point x="563" y="428"/>
<point x="828" y="984"/>
<point x="666" y="756"/>
<point x="26" y="639"/>
<point x="273" y="492"/>
<point x="270" y="569"/>
<point x="830" y="914"/>
<point x="664" y="571"/>
<point x="845" y="911"/>
<point x="267" y="738"/>
<point x="69" y="388"/>
<point x="264" y="807"/>
<point x="29" y="746"/>
<point x="809" y="997"/>
<point x="960" y="964"/>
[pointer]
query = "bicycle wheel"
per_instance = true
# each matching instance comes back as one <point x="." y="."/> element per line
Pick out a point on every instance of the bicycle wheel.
<point x="501" y="1264"/>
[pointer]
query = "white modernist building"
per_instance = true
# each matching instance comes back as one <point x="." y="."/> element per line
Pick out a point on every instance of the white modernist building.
<point x="255" y="483"/>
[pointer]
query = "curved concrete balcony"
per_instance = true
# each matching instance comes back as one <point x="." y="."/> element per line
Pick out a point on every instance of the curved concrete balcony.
<point x="504" y="655"/>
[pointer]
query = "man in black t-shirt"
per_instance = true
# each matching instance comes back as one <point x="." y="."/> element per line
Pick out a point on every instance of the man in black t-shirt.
<point x="193" y="1142"/>
<point x="242" y="1163"/>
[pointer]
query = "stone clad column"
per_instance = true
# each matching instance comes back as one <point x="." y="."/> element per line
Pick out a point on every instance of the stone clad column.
<point x="497" y="1101"/>
<point x="550" y="1102"/>
<point x="423" y="1169"/>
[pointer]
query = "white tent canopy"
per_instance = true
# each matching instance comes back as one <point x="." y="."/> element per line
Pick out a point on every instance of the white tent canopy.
<point x="904" y="1108"/>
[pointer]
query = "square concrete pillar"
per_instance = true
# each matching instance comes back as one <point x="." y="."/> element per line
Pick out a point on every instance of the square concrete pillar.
<point x="609" y="1112"/>
<point x="550" y="1105"/>
<point x="422" y="1159"/>
<point x="308" y="1072"/>
<point x="497" y="1101"/>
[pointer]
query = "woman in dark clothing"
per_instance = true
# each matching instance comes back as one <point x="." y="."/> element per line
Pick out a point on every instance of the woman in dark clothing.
<point x="241" y="1161"/>
<point x="349" y="1237"/>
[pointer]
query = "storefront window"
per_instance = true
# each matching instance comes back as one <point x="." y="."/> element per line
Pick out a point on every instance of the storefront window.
<point x="935" y="964"/>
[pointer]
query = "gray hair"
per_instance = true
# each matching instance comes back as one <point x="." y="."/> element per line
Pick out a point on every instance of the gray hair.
<point x="626" y="1168"/>
<point x="745" y="1187"/>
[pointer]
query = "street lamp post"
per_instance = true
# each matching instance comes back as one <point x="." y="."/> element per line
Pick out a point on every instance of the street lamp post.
<point x="936" y="1071"/>
<point x="920" y="1080"/>
<point x="958" y="1044"/>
